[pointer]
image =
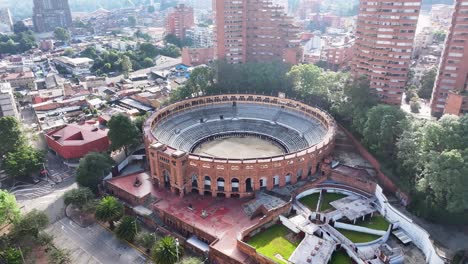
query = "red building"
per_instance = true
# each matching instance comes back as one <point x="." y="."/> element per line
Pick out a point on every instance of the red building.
<point x="197" y="56"/>
<point x="76" y="140"/>
<point x="179" y="20"/>
<point x="254" y="30"/>
<point x="450" y="91"/>
<point x="384" y="42"/>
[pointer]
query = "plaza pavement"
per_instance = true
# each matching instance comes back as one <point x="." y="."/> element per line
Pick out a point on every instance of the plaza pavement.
<point x="93" y="244"/>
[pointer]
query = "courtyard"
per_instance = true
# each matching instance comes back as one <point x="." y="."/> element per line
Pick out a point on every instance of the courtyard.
<point x="272" y="242"/>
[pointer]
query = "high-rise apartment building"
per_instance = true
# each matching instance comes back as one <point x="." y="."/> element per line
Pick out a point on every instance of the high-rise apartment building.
<point x="179" y="20"/>
<point x="254" y="30"/>
<point x="50" y="14"/>
<point x="384" y="40"/>
<point x="6" y="23"/>
<point x="450" y="94"/>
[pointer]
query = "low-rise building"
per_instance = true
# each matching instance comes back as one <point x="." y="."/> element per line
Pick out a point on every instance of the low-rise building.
<point x="76" y="140"/>
<point x="7" y="101"/>
<point x="24" y="79"/>
<point x="76" y="66"/>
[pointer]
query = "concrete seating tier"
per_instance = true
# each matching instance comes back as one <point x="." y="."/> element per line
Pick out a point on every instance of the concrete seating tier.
<point x="293" y="129"/>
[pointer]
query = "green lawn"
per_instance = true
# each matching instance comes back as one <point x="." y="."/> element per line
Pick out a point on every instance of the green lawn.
<point x="340" y="257"/>
<point x="310" y="201"/>
<point x="358" y="237"/>
<point x="377" y="222"/>
<point x="328" y="198"/>
<point x="272" y="241"/>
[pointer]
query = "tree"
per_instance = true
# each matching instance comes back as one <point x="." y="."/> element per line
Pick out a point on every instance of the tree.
<point x="445" y="180"/>
<point x="146" y="240"/>
<point x="127" y="229"/>
<point x="151" y="9"/>
<point x="173" y="39"/>
<point x="427" y="83"/>
<point x="131" y="21"/>
<point x="11" y="256"/>
<point x="92" y="169"/>
<point x="19" y="27"/>
<point x="30" y="224"/>
<point x="9" y="210"/>
<point x="78" y="197"/>
<point x="148" y="50"/>
<point x="122" y="133"/>
<point x="439" y="36"/>
<point x="60" y="256"/>
<point x="165" y="251"/>
<point x="382" y="128"/>
<point x="126" y="64"/>
<point x="139" y="122"/>
<point x="23" y="161"/>
<point x="109" y="210"/>
<point x="307" y="79"/>
<point x="414" y="105"/>
<point x="170" y="51"/>
<point x="11" y="136"/>
<point x="62" y="34"/>
<point x="68" y="52"/>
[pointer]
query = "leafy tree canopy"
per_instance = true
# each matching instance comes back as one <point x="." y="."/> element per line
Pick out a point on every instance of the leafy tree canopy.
<point x="62" y="34"/>
<point x="122" y="132"/>
<point x="92" y="169"/>
<point x="23" y="161"/>
<point x="11" y="135"/>
<point x="78" y="197"/>
<point x="127" y="229"/>
<point x="9" y="210"/>
<point x="165" y="251"/>
<point x="30" y="225"/>
<point x="109" y="210"/>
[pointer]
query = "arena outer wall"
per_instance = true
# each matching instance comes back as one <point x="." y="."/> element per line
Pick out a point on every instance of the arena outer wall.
<point x="187" y="172"/>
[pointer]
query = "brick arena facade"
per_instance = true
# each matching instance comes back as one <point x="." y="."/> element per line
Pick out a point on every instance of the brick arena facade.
<point x="183" y="172"/>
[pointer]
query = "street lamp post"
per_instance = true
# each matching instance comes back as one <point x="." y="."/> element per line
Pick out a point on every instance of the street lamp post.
<point x="177" y="248"/>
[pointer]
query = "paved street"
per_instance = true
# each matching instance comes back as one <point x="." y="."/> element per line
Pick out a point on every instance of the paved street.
<point x="93" y="244"/>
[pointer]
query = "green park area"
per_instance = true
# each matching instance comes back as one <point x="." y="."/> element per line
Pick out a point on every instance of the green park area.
<point x="377" y="222"/>
<point x="340" y="257"/>
<point x="272" y="241"/>
<point x="358" y="237"/>
<point x="310" y="201"/>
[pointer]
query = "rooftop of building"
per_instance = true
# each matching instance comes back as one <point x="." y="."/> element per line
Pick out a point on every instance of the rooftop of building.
<point x="78" y="134"/>
<point x="16" y="75"/>
<point x="138" y="184"/>
<point x="74" y="61"/>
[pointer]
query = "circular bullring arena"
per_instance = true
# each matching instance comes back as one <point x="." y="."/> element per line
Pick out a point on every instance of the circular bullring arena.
<point x="232" y="145"/>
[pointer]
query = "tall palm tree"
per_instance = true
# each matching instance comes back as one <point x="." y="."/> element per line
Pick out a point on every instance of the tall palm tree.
<point x="109" y="210"/>
<point x="127" y="229"/>
<point x="165" y="251"/>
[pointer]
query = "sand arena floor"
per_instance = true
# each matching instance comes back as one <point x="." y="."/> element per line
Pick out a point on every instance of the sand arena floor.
<point x="239" y="148"/>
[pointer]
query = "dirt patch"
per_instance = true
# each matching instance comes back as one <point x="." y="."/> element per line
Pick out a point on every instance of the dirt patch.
<point x="81" y="218"/>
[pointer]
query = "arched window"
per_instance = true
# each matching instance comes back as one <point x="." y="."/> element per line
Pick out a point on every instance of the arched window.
<point x="207" y="183"/>
<point x="220" y="184"/>
<point x="235" y="185"/>
<point x="194" y="180"/>
<point x="248" y="185"/>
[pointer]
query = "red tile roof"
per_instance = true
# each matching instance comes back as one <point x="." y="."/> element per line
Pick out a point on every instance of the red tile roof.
<point x="76" y="134"/>
<point x="127" y="183"/>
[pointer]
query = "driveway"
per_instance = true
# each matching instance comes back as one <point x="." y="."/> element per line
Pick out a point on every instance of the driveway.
<point x="93" y="244"/>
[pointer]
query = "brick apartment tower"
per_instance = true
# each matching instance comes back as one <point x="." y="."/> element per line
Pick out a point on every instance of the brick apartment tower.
<point x="384" y="42"/>
<point x="450" y="94"/>
<point x="254" y="31"/>
<point x="50" y="14"/>
<point x="179" y="20"/>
